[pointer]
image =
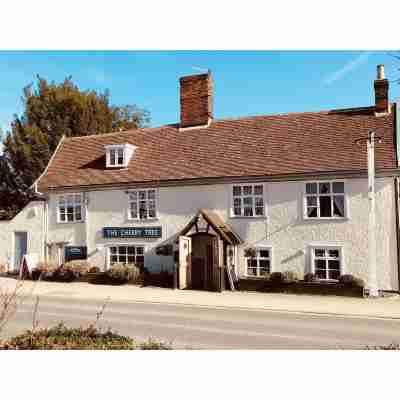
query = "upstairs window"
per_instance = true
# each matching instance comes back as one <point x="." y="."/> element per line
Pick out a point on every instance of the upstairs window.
<point x="325" y="200"/>
<point x="70" y="208"/>
<point x="142" y="204"/>
<point x="248" y="201"/>
<point x="119" y="155"/>
<point x="116" y="157"/>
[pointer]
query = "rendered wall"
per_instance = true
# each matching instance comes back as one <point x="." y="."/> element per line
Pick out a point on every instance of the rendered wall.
<point x="30" y="220"/>
<point x="284" y="228"/>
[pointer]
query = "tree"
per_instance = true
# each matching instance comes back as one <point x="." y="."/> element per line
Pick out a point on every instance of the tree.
<point x="51" y="111"/>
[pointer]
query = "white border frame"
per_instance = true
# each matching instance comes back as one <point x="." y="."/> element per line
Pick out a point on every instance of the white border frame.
<point x="254" y="217"/>
<point x="83" y="207"/>
<point x="337" y="246"/>
<point x="128" y="208"/>
<point x="346" y="200"/>
<point x="271" y="260"/>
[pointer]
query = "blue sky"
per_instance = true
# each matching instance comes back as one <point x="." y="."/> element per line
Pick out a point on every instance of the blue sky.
<point x="245" y="82"/>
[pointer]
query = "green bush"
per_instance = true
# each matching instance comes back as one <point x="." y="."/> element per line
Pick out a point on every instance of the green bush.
<point x="310" y="277"/>
<point x="78" y="267"/>
<point x="358" y="282"/>
<point x="290" y="276"/>
<point x="61" y="337"/>
<point x="391" y="346"/>
<point x="351" y="280"/>
<point x="123" y="272"/>
<point x="94" y="270"/>
<point x="44" y="270"/>
<point x="276" y="277"/>
<point x="152" y="344"/>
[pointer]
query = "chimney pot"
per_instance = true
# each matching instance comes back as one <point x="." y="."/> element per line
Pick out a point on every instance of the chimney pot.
<point x="380" y="72"/>
<point x="381" y="86"/>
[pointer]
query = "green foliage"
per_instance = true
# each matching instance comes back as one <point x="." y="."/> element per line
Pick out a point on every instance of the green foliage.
<point x="79" y="267"/>
<point x="276" y="277"/>
<point x="391" y="346"/>
<point x="351" y="280"/>
<point x="152" y="344"/>
<point x="123" y="272"/>
<point x="291" y="276"/>
<point x="310" y="277"/>
<point x="52" y="110"/>
<point x="61" y="337"/>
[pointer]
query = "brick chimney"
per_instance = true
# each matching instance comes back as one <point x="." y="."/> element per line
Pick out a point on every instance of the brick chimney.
<point x="196" y="100"/>
<point x="381" y="86"/>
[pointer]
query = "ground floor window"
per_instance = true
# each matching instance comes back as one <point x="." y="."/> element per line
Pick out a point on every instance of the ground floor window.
<point x="260" y="263"/>
<point x="126" y="255"/>
<point x="327" y="262"/>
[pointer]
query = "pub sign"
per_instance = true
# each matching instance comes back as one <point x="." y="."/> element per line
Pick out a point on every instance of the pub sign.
<point x="75" y="253"/>
<point x="132" y="232"/>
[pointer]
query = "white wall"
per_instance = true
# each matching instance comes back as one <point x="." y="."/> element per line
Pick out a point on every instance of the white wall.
<point x="29" y="220"/>
<point x="284" y="228"/>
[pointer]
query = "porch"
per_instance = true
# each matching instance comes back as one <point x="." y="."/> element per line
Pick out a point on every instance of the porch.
<point x="205" y="247"/>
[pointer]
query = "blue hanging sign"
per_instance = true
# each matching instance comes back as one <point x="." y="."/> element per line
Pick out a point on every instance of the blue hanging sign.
<point x="75" y="253"/>
<point x="132" y="232"/>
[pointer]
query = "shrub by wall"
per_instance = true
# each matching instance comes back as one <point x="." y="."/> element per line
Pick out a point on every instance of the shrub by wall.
<point x="287" y="283"/>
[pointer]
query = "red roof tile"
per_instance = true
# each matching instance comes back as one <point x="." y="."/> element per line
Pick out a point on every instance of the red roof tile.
<point x="254" y="146"/>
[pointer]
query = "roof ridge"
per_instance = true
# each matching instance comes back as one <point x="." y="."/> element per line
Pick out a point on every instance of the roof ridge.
<point x="119" y="132"/>
<point x="247" y="117"/>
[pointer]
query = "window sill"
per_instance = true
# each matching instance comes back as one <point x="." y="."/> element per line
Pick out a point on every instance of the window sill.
<point x="325" y="219"/>
<point x="143" y="220"/>
<point x="256" y="278"/>
<point x="251" y="218"/>
<point x="69" y="222"/>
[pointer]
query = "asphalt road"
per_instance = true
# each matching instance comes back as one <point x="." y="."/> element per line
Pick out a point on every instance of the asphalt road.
<point x="210" y="328"/>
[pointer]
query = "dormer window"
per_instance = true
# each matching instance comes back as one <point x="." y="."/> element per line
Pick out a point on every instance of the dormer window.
<point x="119" y="155"/>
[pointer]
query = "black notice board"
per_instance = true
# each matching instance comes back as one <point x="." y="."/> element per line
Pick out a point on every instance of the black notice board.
<point x="75" y="253"/>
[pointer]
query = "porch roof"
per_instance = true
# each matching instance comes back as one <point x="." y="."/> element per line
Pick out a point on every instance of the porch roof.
<point x="216" y="222"/>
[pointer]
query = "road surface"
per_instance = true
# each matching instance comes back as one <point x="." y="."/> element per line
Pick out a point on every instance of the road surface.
<point x="212" y="328"/>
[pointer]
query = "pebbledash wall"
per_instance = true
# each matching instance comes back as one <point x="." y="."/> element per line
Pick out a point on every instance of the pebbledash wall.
<point x="30" y="220"/>
<point x="284" y="228"/>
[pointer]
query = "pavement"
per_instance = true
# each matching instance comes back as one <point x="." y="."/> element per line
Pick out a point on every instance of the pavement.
<point x="386" y="307"/>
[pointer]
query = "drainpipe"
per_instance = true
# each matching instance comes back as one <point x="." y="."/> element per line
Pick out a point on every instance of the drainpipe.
<point x="397" y="184"/>
<point x="87" y="233"/>
<point x="397" y="210"/>
<point x="372" y="281"/>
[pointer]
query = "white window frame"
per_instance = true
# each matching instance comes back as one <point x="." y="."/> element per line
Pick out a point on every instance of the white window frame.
<point x="271" y="259"/>
<point x="232" y="197"/>
<point x="325" y="247"/>
<point x="331" y="195"/>
<point x="82" y="205"/>
<point x="129" y="192"/>
<point x="108" y="251"/>
<point x="127" y="151"/>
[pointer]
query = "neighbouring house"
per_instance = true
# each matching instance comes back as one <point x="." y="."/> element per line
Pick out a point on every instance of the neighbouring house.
<point x="266" y="193"/>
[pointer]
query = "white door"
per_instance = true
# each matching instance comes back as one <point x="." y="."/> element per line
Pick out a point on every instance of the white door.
<point x="185" y="251"/>
<point x="20" y="248"/>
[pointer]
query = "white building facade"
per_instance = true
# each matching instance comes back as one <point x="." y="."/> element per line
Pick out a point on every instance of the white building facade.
<point x="291" y="190"/>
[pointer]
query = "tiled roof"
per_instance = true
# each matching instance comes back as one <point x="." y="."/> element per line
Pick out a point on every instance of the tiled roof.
<point x="295" y="143"/>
